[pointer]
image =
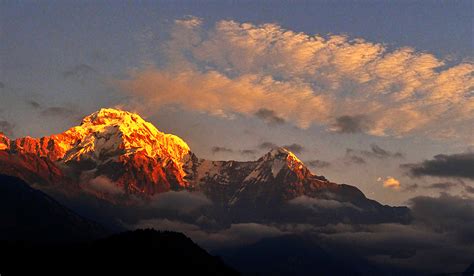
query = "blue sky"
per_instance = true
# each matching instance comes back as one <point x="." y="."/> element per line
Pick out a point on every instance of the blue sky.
<point x="62" y="60"/>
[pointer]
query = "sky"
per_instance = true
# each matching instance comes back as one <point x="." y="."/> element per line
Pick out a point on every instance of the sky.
<point x="376" y="94"/>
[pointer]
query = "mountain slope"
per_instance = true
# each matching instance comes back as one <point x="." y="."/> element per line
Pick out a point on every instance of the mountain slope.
<point x="28" y="214"/>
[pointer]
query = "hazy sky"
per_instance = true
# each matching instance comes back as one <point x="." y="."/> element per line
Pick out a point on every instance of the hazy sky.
<point x="355" y="89"/>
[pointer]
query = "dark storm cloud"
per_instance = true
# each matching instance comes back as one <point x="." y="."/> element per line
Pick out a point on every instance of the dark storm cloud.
<point x="269" y="117"/>
<point x="444" y="165"/>
<point x="352" y="124"/>
<point x="318" y="163"/>
<point x="217" y="149"/>
<point x="6" y="128"/>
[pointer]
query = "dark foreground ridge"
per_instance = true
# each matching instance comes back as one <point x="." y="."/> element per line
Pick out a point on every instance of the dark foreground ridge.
<point x="141" y="252"/>
<point x="29" y="214"/>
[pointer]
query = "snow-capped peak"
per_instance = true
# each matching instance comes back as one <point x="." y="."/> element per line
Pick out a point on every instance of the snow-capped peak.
<point x="273" y="162"/>
<point x="282" y="154"/>
<point x="111" y="132"/>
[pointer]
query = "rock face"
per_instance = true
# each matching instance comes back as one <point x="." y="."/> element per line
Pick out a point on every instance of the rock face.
<point x="124" y="151"/>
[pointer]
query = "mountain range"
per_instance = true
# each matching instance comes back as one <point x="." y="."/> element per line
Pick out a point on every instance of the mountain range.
<point x="115" y="155"/>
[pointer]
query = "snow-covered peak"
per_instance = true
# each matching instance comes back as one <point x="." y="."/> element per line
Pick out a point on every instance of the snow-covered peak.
<point x="280" y="153"/>
<point x="109" y="133"/>
<point x="275" y="161"/>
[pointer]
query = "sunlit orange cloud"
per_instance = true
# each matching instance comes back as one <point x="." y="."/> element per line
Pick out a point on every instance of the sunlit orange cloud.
<point x="216" y="94"/>
<point x="390" y="182"/>
<point x="240" y="68"/>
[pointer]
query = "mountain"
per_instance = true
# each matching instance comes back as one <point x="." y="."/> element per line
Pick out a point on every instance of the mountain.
<point x="293" y="255"/>
<point x="116" y="155"/>
<point x="141" y="252"/>
<point x="29" y="214"/>
<point x="117" y="144"/>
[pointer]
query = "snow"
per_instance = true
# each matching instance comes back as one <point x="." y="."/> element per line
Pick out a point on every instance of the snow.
<point x="277" y="166"/>
<point x="109" y="133"/>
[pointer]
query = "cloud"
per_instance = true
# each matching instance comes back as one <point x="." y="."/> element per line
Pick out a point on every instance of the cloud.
<point x="317" y="204"/>
<point x="81" y="72"/>
<point x="351" y="158"/>
<point x="351" y="124"/>
<point x="411" y="188"/>
<point x="248" y="152"/>
<point x="446" y="214"/>
<point x="243" y="68"/>
<point x="2" y="85"/>
<point x="442" y="228"/>
<point x="412" y="246"/>
<point x="390" y="182"/>
<point x="442" y="185"/>
<point x="267" y="146"/>
<point x="374" y="152"/>
<point x="57" y="111"/>
<point x="104" y="185"/>
<point x="222" y="96"/>
<point x="378" y="152"/>
<point x="469" y="189"/>
<point x="443" y="165"/>
<point x="269" y="117"/>
<point x="221" y="149"/>
<point x="318" y="163"/>
<point x="235" y="235"/>
<point x="295" y="148"/>
<point x="7" y="128"/>
<point x="33" y="104"/>
<point x="181" y="202"/>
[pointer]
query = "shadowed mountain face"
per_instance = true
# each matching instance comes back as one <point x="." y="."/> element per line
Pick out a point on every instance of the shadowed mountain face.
<point x="117" y="156"/>
<point x="29" y="214"/>
<point x="141" y="252"/>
